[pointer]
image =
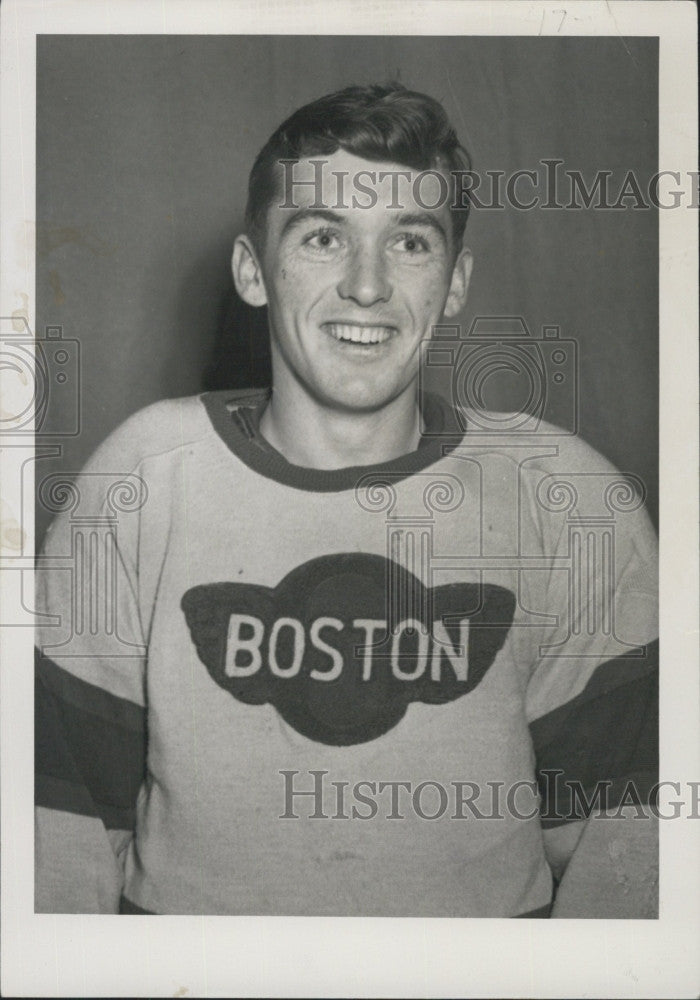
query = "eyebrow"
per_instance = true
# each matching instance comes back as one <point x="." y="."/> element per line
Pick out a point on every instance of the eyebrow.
<point x="302" y="215"/>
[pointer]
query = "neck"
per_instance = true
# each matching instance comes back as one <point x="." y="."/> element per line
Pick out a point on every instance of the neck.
<point x="312" y="435"/>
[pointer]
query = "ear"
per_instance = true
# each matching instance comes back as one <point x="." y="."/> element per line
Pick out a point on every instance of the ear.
<point x="459" y="286"/>
<point x="247" y="274"/>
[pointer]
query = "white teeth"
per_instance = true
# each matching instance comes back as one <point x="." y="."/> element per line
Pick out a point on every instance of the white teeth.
<point x="359" y="334"/>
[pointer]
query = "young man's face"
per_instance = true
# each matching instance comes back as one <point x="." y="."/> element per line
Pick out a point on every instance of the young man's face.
<point x="353" y="290"/>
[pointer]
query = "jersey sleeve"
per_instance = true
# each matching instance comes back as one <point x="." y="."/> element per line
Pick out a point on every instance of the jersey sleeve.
<point x="592" y="697"/>
<point x="89" y="684"/>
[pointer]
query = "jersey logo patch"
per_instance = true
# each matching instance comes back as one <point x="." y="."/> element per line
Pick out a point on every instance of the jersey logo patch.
<point x="344" y="643"/>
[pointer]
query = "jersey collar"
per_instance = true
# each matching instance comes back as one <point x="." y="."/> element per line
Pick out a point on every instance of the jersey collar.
<point x="235" y="416"/>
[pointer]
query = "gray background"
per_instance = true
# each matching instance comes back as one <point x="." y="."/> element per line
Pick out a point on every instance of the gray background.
<point x="144" y="144"/>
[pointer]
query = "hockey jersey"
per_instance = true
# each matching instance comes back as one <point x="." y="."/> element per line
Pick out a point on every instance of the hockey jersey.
<point x="266" y="689"/>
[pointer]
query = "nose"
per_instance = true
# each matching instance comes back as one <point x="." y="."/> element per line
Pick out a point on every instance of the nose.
<point x="365" y="279"/>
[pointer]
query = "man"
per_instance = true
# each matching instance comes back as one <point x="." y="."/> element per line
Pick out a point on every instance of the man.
<point x="316" y="645"/>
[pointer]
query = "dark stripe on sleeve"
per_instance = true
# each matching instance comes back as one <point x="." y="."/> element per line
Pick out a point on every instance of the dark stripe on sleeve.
<point x="608" y="733"/>
<point x="89" y="748"/>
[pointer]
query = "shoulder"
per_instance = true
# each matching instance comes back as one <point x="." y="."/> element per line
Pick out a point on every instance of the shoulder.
<point x="539" y="450"/>
<point x="560" y="477"/>
<point x="544" y="444"/>
<point x="568" y="474"/>
<point x="125" y="469"/>
<point x="162" y="427"/>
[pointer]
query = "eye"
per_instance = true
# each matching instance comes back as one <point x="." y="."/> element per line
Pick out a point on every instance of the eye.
<point x="411" y="243"/>
<point x="322" y="240"/>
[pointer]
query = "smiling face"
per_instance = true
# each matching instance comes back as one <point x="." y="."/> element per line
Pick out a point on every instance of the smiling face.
<point x="353" y="287"/>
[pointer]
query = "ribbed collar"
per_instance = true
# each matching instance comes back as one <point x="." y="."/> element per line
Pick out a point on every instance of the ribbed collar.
<point x="235" y="416"/>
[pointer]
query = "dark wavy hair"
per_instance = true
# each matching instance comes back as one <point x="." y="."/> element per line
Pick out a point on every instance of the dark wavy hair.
<point x="379" y="122"/>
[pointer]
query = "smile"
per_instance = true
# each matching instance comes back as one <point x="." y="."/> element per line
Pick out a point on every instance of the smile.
<point x="357" y="334"/>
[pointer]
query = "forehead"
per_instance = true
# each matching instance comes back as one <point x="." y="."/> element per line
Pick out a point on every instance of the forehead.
<point x="363" y="192"/>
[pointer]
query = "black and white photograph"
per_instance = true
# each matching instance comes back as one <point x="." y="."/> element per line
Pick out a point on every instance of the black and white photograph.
<point x="349" y="363"/>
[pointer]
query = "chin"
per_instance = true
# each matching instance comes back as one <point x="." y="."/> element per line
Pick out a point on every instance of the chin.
<point x="360" y="396"/>
<point x="363" y="403"/>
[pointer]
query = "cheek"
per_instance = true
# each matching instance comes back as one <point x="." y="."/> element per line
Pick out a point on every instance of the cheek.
<point x="425" y="297"/>
<point x="300" y="288"/>
<point x="435" y="294"/>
